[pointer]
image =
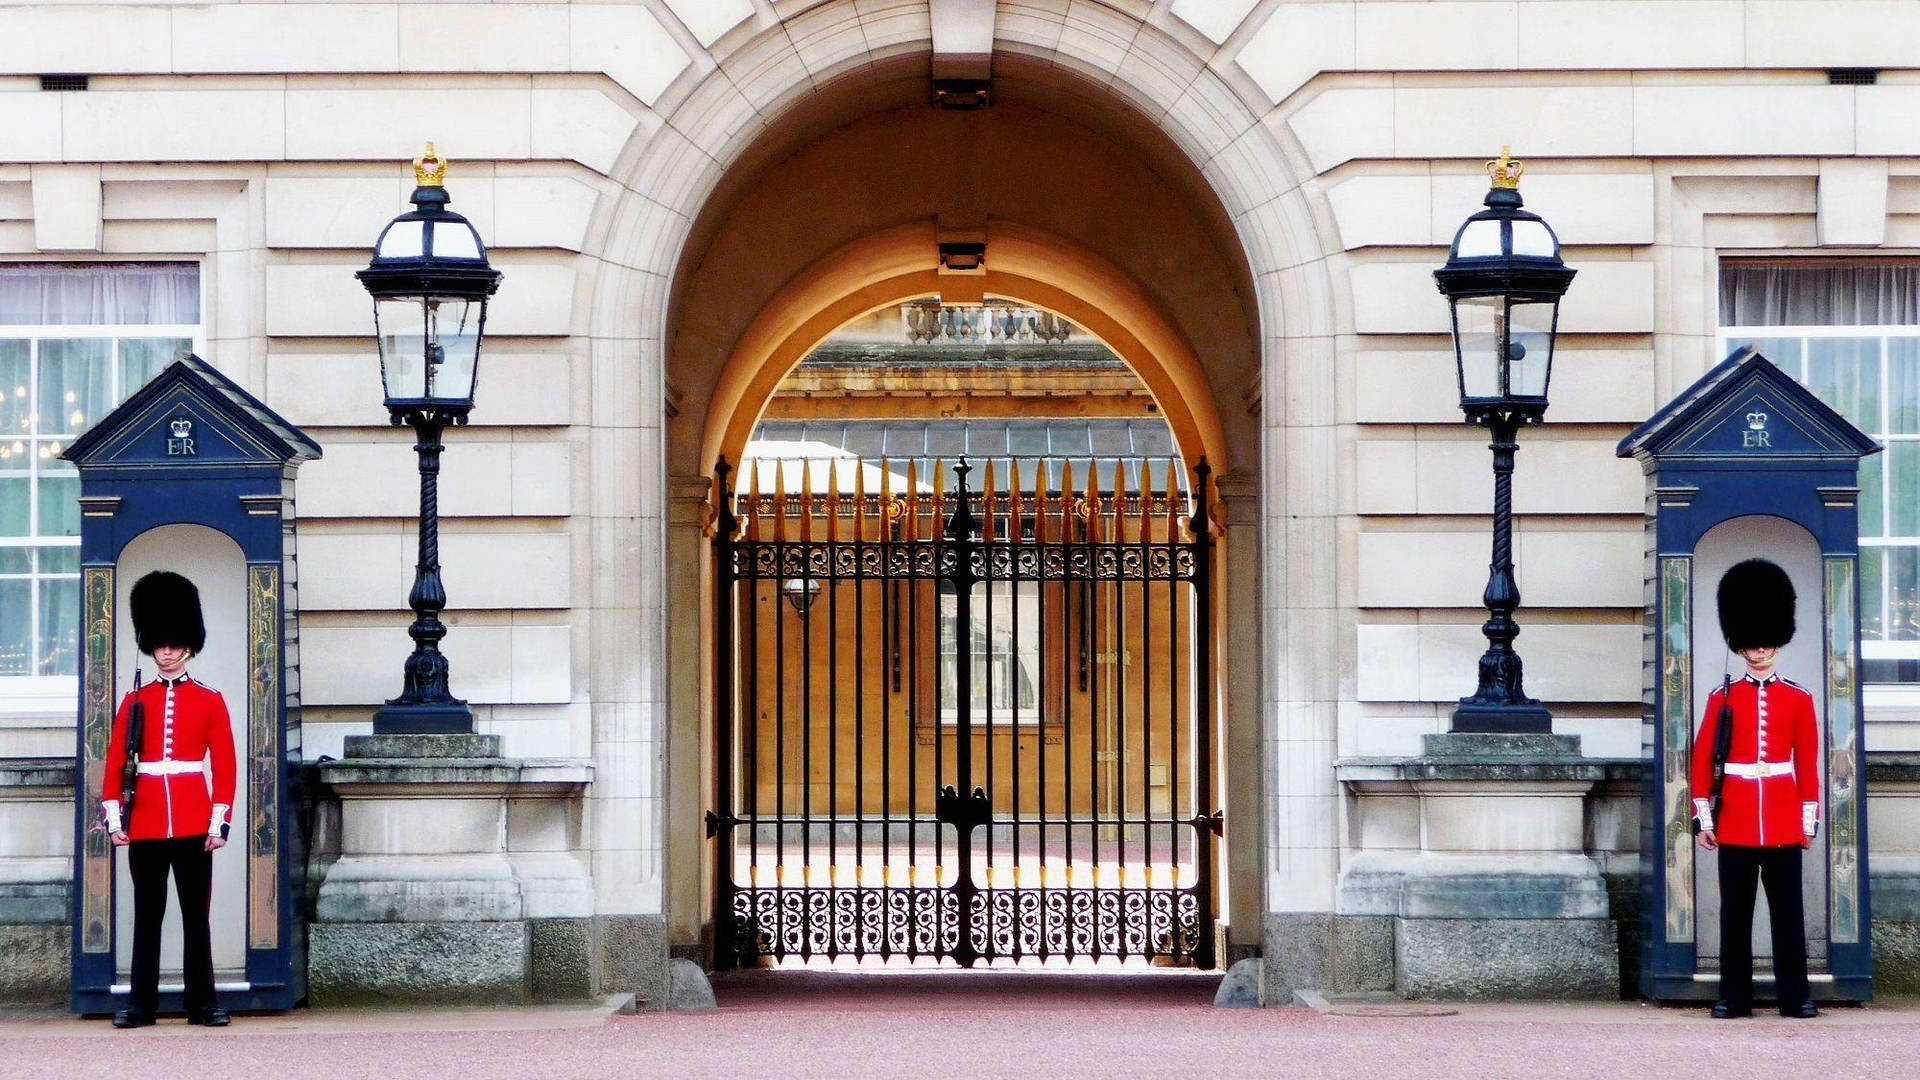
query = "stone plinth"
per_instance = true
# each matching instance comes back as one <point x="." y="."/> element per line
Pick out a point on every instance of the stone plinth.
<point x="1472" y="879"/>
<point x="1893" y="869"/>
<point x="36" y="879"/>
<point x="456" y="880"/>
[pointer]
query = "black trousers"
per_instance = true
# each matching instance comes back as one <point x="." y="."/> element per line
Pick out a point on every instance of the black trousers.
<point x="191" y="864"/>
<point x="1778" y="868"/>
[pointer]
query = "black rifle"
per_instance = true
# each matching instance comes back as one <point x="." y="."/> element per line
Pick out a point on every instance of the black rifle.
<point x="130" y="768"/>
<point x="1722" y="749"/>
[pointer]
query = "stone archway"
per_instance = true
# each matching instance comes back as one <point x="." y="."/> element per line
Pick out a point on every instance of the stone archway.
<point x="1196" y="138"/>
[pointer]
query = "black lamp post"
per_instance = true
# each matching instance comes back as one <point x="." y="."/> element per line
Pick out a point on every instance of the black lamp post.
<point x="430" y="282"/>
<point x="1503" y="280"/>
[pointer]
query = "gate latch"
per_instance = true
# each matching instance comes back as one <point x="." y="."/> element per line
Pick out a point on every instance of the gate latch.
<point x="963" y="812"/>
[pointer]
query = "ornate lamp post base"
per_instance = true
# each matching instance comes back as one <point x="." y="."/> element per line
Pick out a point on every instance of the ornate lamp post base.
<point x="423" y="718"/>
<point x="1529" y="718"/>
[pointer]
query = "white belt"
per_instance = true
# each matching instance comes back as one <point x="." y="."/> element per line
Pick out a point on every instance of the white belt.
<point x="1759" y="770"/>
<point x="177" y="768"/>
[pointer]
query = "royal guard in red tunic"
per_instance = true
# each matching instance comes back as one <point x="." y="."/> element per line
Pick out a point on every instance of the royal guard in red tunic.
<point x="1764" y="807"/>
<point x="182" y="798"/>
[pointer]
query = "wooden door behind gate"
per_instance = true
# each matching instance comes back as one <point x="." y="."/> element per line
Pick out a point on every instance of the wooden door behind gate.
<point x="967" y="719"/>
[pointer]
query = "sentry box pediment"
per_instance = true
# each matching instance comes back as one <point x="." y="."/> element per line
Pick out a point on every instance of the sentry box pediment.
<point x="1746" y="411"/>
<point x="192" y="473"/>
<point x="191" y="416"/>
<point x="1749" y="463"/>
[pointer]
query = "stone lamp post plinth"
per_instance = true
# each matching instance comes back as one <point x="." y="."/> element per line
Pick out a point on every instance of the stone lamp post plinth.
<point x="1473" y="878"/>
<point x="456" y="880"/>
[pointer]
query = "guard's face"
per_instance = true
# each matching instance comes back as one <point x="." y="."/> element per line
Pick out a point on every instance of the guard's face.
<point x="1761" y="656"/>
<point x="171" y="657"/>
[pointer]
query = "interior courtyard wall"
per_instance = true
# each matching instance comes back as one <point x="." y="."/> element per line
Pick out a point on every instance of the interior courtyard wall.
<point x="1344" y="139"/>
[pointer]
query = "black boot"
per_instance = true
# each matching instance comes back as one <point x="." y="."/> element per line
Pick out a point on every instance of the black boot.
<point x="211" y="1017"/>
<point x="1803" y="1011"/>
<point x="1726" y="1011"/>
<point x="132" y="1018"/>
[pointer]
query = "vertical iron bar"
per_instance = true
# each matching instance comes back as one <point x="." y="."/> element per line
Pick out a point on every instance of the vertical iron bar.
<point x="1013" y="544"/>
<point x="961" y="543"/>
<point x="912" y="734"/>
<point x="751" y="713"/>
<point x="833" y="715"/>
<point x="1146" y="702"/>
<point x="780" y="715"/>
<point x="806" y="720"/>
<point x="1117" y="768"/>
<point x="1173" y="695"/>
<point x="860" y="703"/>
<point x="1203" y="726"/>
<point x="890" y="625"/>
<point x="1095" y="730"/>
<point x="988" y="738"/>
<point x="725" y="946"/>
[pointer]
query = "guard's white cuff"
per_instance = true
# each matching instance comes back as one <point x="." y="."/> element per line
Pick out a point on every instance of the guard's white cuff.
<point x="219" y="818"/>
<point x="110" y="809"/>
<point x="1703" y="809"/>
<point x="1810" y="819"/>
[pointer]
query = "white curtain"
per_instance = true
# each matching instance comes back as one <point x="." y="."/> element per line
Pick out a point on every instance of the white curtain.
<point x="1819" y="294"/>
<point x="127" y="294"/>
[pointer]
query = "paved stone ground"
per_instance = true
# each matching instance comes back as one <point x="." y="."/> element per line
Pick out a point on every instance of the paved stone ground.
<point x="822" y="1024"/>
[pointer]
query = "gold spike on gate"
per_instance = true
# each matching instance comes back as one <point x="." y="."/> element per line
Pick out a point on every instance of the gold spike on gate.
<point x="1066" y="500"/>
<point x="1016" y="502"/>
<point x="939" y="496"/>
<point x="833" y="500"/>
<point x="1173" y="512"/>
<point x="912" y="530"/>
<point x="988" y="505"/>
<point x="859" y="500"/>
<point x="1092" y="501"/>
<point x="1146" y="502"/>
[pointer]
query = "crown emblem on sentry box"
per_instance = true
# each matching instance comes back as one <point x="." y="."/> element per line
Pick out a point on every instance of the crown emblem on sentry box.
<point x="1757" y="421"/>
<point x="182" y="429"/>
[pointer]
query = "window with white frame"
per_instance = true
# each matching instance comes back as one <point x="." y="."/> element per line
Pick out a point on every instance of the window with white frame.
<point x="1851" y="332"/>
<point x="75" y="340"/>
<point x="1005" y="653"/>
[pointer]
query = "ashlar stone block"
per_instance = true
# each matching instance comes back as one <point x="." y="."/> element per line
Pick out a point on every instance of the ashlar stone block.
<point x="1297" y="42"/>
<point x="399" y="963"/>
<point x="1215" y="18"/>
<point x="66" y="207"/>
<point x="285" y="37"/>
<point x="1434" y="36"/>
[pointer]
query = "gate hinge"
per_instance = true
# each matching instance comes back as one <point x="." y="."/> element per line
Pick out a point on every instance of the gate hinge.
<point x="715" y="823"/>
<point x="1216" y="823"/>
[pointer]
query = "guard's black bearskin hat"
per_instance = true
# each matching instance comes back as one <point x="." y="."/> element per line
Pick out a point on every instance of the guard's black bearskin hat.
<point x="1756" y="606"/>
<point x="166" y="611"/>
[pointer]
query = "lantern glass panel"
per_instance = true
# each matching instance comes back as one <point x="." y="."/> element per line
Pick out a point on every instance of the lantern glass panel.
<point x="429" y="347"/>
<point x="403" y="240"/>
<point x="1534" y="239"/>
<point x="1530" y="348"/>
<point x="455" y="240"/>
<point x="1478" y="240"/>
<point x="401" y="330"/>
<point x="1476" y="322"/>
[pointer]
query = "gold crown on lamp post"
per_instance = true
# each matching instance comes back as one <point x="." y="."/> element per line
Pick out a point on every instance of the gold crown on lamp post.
<point x="429" y="170"/>
<point x="1504" y="170"/>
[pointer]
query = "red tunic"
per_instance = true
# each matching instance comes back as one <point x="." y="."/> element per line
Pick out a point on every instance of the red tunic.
<point x="1773" y="768"/>
<point x="186" y="723"/>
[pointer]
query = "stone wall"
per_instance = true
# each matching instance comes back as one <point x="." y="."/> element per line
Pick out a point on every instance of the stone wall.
<point x="1333" y="147"/>
<point x="36" y="876"/>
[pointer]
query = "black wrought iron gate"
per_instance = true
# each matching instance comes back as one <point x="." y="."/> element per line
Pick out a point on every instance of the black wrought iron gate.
<point x="968" y="723"/>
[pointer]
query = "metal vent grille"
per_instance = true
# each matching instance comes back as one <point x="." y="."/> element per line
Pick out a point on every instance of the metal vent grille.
<point x="1852" y="76"/>
<point x="63" y="82"/>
